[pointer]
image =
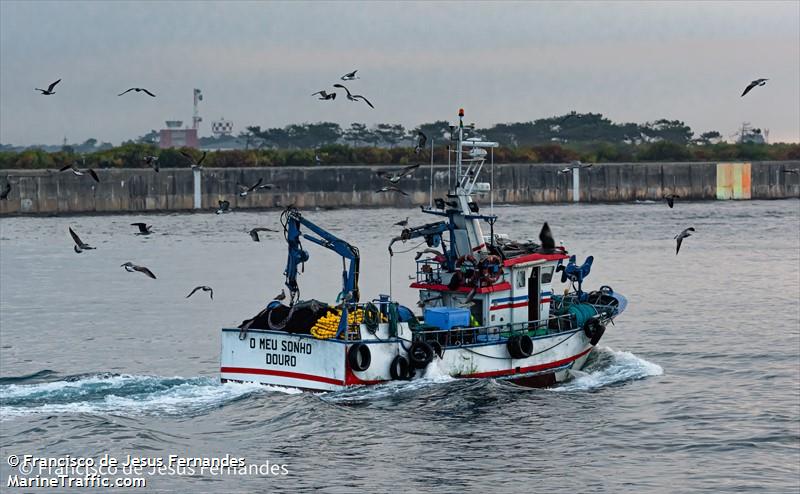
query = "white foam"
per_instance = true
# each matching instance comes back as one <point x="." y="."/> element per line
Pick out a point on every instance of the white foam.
<point x="611" y="367"/>
<point x="127" y="395"/>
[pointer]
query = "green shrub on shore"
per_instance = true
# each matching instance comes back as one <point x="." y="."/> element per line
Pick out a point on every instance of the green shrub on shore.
<point x="130" y="155"/>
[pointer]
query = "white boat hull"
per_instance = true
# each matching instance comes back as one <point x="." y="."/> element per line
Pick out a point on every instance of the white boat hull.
<point x="302" y="361"/>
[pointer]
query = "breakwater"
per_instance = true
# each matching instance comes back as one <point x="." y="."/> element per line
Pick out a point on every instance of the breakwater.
<point x="135" y="190"/>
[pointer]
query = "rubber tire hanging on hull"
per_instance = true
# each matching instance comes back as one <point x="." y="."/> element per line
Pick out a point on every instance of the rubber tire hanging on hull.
<point x="594" y="331"/>
<point x="359" y="357"/>
<point x="399" y="368"/>
<point x="520" y="346"/>
<point x="420" y="354"/>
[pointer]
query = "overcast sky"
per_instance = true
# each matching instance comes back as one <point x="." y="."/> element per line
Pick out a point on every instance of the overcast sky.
<point x="258" y="62"/>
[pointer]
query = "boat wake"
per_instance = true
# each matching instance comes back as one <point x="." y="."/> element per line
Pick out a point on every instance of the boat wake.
<point x="608" y="367"/>
<point x="125" y="395"/>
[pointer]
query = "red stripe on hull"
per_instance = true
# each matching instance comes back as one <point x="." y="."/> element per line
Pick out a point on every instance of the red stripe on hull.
<point x="534" y="257"/>
<point x="500" y="287"/>
<point x="506" y="306"/>
<point x="533" y="368"/>
<point x="280" y="373"/>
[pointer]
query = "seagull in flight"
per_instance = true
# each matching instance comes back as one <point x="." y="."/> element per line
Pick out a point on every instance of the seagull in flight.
<point x="403" y="223"/>
<point x="670" y="198"/>
<point x="280" y="296"/>
<point x="137" y="89"/>
<point x="49" y="90"/>
<point x="131" y="267"/>
<point x="191" y="158"/>
<point x="324" y="95"/>
<point x="6" y="190"/>
<point x="80" y="245"/>
<point x="397" y="175"/>
<point x="254" y="233"/>
<point x="152" y="162"/>
<point x="679" y="237"/>
<point x="795" y="171"/>
<point x="350" y="76"/>
<point x="390" y="188"/>
<point x="757" y="82"/>
<point x="244" y="189"/>
<point x="354" y="97"/>
<point x="205" y="289"/>
<point x="80" y="173"/>
<point x="224" y="207"/>
<point x="422" y="139"/>
<point x="427" y="251"/>
<point x="144" y="229"/>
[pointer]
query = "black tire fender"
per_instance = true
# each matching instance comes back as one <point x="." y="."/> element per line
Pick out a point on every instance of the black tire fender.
<point x="594" y="330"/>
<point x="437" y="347"/>
<point x="399" y="368"/>
<point x="359" y="357"/>
<point x="520" y="346"/>
<point x="420" y="354"/>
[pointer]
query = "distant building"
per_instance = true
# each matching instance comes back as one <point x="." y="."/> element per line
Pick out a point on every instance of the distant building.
<point x="176" y="137"/>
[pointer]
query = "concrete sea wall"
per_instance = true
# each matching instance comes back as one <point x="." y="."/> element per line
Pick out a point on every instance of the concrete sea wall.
<point x="135" y="190"/>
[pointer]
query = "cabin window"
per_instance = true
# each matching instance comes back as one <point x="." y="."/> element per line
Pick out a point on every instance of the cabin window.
<point x="521" y="279"/>
<point x="547" y="275"/>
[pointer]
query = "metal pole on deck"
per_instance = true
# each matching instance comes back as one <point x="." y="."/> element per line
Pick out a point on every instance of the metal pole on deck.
<point x="430" y="205"/>
<point x="197" y="197"/>
<point x="491" y="191"/>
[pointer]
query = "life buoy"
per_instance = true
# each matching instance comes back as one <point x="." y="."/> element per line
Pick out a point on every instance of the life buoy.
<point x="420" y="354"/>
<point x="468" y="267"/>
<point x="491" y="268"/>
<point x="399" y="368"/>
<point x="593" y="330"/>
<point x="520" y="346"/>
<point x="359" y="357"/>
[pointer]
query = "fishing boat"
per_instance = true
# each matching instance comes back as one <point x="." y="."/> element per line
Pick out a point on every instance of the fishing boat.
<point x="486" y="309"/>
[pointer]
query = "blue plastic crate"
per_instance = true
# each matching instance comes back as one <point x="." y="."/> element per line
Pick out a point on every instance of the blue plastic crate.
<point x="447" y="317"/>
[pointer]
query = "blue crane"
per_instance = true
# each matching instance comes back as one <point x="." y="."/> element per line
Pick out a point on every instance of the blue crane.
<point x="292" y="220"/>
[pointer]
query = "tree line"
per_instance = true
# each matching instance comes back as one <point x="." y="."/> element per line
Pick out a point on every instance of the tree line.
<point x="589" y="137"/>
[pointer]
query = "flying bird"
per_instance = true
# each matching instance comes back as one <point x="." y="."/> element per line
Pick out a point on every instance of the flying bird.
<point x="204" y="288"/>
<point x="757" y="82"/>
<point x="49" y="90"/>
<point x="324" y="95"/>
<point x="354" y="97"/>
<point x="426" y="251"/>
<point x="80" y="245"/>
<point x="422" y="139"/>
<point x="390" y="188"/>
<point x="244" y="189"/>
<point x="679" y="237"/>
<point x="191" y="158"/>
<point x="546" y="238"/>
<point x="224" y="207"/>
<point x="131" y="267"/>
<point x="254" y="233"/>
<point x="395" y="176"/>
<point x="80" y="173"/>
<point x="137" y="89"/>
<point x="144" y="229"/>
<point x="280" y="296"/>
<point x="152" y="162"/>
<point x="670" y="198"/>
<point x="350" y="76"/>
<point x="6" y="190"/>
<point x="403" y="223"/>
<point x="795" y="171"/>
